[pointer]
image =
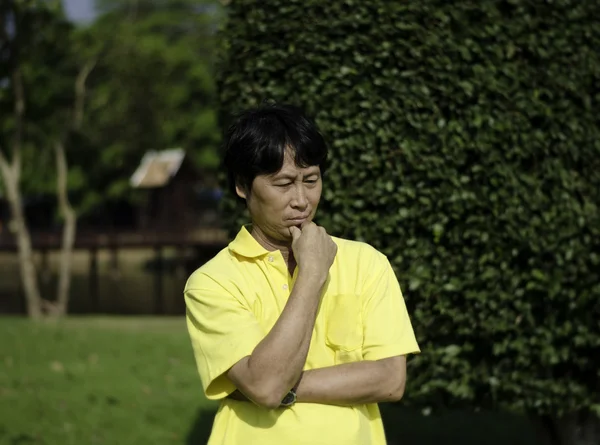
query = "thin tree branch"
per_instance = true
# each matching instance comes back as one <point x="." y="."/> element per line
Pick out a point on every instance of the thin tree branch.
<point x="80" y="85"/>
<point x="62" y="175"/>
<point x="5" y="170"/>
<point x="19" y="112"/>
<point x="62" y="193"/>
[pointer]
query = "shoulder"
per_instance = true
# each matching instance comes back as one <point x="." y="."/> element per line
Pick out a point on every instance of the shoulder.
<point x="359" y="252"/>
<point x="214" y="272"/>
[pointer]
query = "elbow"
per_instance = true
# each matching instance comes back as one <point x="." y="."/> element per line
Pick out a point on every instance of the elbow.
<point x="269" y="403"/>
<point x="396" y="396"/>
<point x="264" y="389"/>
<point x="394" y="374"/>
<point x="395" y="391"/>
<point x="267" y="400"/>
<point x="267" y="394"/>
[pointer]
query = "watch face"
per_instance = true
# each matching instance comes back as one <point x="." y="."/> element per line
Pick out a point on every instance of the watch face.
<point x="289" y="399"/>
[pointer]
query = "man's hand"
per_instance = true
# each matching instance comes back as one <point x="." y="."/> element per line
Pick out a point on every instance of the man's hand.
<point x="313" y="248"/>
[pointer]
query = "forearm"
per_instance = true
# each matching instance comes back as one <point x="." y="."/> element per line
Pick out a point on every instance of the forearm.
<point x="276" y="363"/>
<point x="283" y="351"/>
<point x="354" y="383"/>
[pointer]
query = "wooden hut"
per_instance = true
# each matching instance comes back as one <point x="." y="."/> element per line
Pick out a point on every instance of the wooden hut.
<point x="174" y="193"/>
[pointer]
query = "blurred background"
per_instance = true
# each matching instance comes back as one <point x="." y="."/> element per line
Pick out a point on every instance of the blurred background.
<point x="465" y="145"/>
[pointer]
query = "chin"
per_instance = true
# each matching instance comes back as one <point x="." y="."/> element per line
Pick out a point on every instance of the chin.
<point x="285" y="234"/>
<point x="279" y="234"/>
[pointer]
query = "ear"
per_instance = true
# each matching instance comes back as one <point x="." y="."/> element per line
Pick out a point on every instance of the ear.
<point x="240" y="191"/>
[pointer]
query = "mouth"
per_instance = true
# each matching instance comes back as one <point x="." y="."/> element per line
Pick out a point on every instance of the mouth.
<point x="298" y="221"/>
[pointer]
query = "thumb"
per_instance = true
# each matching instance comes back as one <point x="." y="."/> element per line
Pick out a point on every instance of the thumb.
<point x="295" y="232"/>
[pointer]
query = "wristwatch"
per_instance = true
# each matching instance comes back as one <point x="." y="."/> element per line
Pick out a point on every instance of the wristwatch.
<point x="290" y="397"/>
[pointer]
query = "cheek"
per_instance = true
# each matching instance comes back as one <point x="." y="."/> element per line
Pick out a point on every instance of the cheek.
<point x="314" y="195"/>
<point x="274" y="202"/>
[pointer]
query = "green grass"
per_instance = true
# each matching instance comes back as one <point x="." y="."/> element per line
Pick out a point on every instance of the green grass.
<point x="112" y="380"/>
<point x="100" y="381"/>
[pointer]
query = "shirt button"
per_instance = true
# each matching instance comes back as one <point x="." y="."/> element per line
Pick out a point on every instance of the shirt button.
<point x="285" y="287"/>
<point x="271" y="259"/>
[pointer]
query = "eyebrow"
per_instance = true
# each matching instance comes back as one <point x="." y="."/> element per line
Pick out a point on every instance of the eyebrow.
<point x="291" y="177"/>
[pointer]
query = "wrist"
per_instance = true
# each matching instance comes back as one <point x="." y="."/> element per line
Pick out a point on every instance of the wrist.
<point x="311" y="277"/>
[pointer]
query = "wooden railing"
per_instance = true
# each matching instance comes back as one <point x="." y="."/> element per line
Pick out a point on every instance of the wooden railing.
<point x="121" y="239"/>
<point x="202" y="239"/>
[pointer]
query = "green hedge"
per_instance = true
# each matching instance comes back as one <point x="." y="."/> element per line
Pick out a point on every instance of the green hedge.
<point x="465" y="140"/>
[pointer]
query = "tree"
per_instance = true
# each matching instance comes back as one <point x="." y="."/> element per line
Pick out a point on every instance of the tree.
<point x="10" y="166"/>
<point x="37" y="68"/>
<point x="153" y="88"/>
<point x="466" y="146"/>
<point x="144" y="72"/>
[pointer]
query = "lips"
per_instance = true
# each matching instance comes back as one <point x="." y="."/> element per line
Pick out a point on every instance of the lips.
<point x="299" y="219"/>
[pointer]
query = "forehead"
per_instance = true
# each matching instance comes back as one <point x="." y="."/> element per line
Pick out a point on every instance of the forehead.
<point x="290" y="168"/>
<point x="294" y="171"/>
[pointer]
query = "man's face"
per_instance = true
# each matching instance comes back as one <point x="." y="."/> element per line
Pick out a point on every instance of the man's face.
<point x="286" y="198"/>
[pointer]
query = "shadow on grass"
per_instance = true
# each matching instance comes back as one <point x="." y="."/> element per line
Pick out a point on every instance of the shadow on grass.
<point x="200" y="430"/>
<point x="406" y="426"/>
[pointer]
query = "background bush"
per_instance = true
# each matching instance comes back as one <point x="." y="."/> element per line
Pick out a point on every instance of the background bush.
<point x="465" y="145"/>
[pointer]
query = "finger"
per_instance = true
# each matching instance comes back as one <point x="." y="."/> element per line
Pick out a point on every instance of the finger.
<point x="295" y="232"/>
<point x="306" y="224"/>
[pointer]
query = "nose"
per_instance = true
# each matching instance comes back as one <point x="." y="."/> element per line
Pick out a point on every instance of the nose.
<point x="299" y="200"/>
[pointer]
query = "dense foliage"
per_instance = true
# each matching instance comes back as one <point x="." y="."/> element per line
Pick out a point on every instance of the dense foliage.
<point x="465" y="145"/>
<point x="37" y="42"/>
<point x="151" y="87"/>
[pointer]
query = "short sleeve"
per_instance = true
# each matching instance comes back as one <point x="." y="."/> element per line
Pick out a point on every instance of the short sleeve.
<point x="387" y="327"/>
<point x="223" y="330"/>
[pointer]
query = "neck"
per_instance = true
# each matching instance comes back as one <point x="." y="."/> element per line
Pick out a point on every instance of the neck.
<point x="271" y="244"/>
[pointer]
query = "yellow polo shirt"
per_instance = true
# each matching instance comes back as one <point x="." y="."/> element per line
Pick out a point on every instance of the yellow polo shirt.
<point x="234" y="300"/>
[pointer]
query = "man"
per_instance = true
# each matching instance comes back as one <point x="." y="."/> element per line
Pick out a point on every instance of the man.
<point x="298" y="333"/>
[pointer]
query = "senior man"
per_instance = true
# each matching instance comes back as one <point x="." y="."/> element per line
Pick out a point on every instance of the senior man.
<point x="299" y="334"/>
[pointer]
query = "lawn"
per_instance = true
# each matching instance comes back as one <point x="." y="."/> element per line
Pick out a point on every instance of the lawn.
<point x="111" y="380"/>
<point x="100" y="381"/>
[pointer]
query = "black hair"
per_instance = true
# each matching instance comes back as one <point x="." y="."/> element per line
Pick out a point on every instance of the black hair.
<point x="256" y="143"/>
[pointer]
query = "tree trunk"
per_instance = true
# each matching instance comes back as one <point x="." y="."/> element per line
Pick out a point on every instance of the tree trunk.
<point x="60" y="308"/>
<point x="573" y="429"/>
<point x="68" y="235"/>
<point x="11" y="174"/>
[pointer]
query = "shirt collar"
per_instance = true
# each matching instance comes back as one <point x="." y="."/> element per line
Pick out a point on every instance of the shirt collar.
<point x="245" y="245"/>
